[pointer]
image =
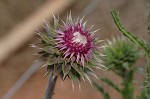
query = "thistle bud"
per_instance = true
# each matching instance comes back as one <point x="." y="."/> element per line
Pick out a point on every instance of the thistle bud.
<point x="69" y="49"/>
<point x="120" y="55"/>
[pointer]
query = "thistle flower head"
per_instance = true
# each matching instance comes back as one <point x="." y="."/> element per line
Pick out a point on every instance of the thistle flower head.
<point x="75" y="41"/>
<point x="69" y="49"/>
<point x="120" y="55"/>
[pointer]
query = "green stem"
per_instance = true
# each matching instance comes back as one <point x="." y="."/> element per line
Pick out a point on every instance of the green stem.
<point x="126" y="33"/>
<point x="148" y="56"/>
<point x="145" y="93"/>
<point x="147" y="85"/>
<point x="148" y="17"/>
<point x="128" y="89"/>
<point x="148" y="68"/>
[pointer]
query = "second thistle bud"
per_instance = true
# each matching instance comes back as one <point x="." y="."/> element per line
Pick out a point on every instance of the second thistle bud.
<point x="120" y="55"/>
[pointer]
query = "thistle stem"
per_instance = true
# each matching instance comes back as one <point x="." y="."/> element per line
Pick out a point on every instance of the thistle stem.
<point x="147" y="85"/>
<point x="50" y="86"/>
<point x="128" y="90"/>
<point x="148" y="56"/>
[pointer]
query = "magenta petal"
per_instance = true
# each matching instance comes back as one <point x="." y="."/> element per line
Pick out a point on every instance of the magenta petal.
<point x="71" y="55"/>
<point x="67" y="51"/>
<point x="86" y="57"/>
<point x="63" y="48"/>
<point x="60" y="32"/>
<point x="66" y="55"/>
<point x="82" y="60"/>
<point x="59" y="39"/>
<point x="78" y="57"/>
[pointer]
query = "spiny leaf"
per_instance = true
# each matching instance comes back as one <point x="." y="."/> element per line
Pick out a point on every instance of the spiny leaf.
<point x="50" y="68"/>
<point x="46" y="38"/>
<point x="49" y="49"/>
<point x="77" y="69"/>
<point x="66" y="69"/>
<point x="73" y="74"/>
<point x="49" y="29"/>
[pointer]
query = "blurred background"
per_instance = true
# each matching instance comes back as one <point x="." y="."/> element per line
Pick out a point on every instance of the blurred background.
<point x="20" y="18"/>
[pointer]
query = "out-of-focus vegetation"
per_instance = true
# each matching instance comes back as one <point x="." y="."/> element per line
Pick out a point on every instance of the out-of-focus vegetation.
<point x="13" y="11"/>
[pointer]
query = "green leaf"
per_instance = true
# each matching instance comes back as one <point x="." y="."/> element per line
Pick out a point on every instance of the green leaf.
<point x="50" y="67"/>
<point x="46" y="38"/>
<point x="56" y="22"/>
<point x="57" y="68"/>
<point x="75" y="67"/>
<point x="50" y="29"/>
<point x="49" y="49"/>
<point x="66" y="69"/>
<point x="52" y="61"/>
<point x="73" y="74"/>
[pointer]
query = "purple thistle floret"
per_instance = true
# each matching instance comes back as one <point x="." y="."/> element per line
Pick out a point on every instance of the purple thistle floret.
<point x="75" y="42"/>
